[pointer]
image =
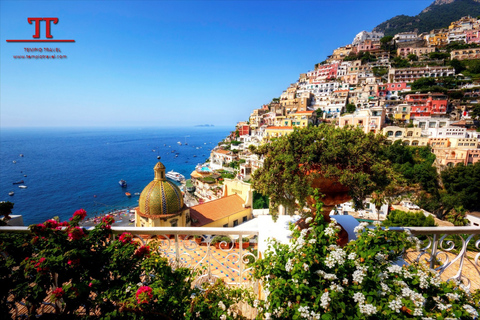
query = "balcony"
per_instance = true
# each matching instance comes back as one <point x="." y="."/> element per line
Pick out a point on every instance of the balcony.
<point x="452" y="251"/>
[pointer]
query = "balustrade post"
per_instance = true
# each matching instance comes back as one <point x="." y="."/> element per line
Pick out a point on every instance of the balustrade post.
<point x="433" y="253"/>
<point x="240" y="258"/>
<point x="177" y="251"/>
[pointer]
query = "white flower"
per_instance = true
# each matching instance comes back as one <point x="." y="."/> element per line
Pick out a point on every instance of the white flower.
<point x="336" y="257"/>
<point x="380" y="257"/>
<point x="359" y="297"/>
<point x="385" y="288"/>
<point x="377" y="223"/>
<point x="305" y="267"/>
<point x="330" y="231"/>
<point x="417" y="312"/>
<point x="288" y="265"/>
<point x="394" y="269"/>
<point x="358" y="276"/>
<point x="221" y="305"/>
<point x="395" y="305"/>
<point x="453" y="296"/>
<point x="345" y="281"/>
<point x="197" y="314"/>
<point x="223" y="317"/>
<point x="324" y="300"/>
<point x="312" y="241"/>
<point x="305" y="281"/>
<point x="336" y="288"/>
<point x="308" y="220"/>
<point x="471" y="310"/>
<point x="367" y="309"/>
<point x="352" y="256"/>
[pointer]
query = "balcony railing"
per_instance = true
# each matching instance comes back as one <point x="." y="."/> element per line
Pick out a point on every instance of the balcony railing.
<point x="454" y="252"/>
<point x="229" y="261"/>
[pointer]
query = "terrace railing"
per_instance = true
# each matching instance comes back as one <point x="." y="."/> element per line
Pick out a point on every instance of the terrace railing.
<point x="195" y="248"/>
<point x="454" y="252"/>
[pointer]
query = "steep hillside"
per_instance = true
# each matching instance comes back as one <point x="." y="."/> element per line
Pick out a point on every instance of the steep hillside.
<point x="438" y="15"/>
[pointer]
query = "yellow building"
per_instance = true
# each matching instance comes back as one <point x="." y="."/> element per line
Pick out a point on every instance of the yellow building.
<point x="234" y="208"/>
<point x="275" y="132"/>
<point x="161" y="203"/>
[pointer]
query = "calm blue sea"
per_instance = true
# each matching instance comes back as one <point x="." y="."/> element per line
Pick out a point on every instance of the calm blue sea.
<point x="69" y="169"/>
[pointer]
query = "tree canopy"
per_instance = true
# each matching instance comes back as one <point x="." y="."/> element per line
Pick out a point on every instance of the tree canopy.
<point x="346" y="155"/>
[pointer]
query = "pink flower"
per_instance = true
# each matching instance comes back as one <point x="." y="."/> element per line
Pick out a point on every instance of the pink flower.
<point x="80" y="213"/>
<point x="75" y="233"/>
<point x="144" y="294"/>
<point x="143" y="251"/>
<point x="90" y="284"/>
<point x="126" y="238"/>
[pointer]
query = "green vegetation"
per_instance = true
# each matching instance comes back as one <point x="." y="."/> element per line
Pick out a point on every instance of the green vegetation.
<point x="380" y="71"/>
<point x="439" y="16"/>
<point x="312" y="277"/>
<point x="350" y="108"/>
<point x="260" y="201"/>
<point x="105" y="277"/>
<point x="415" y="164"/>
<point x="399" y="62"/>
<point x="5" y="210"/>
<point x="346" y="155"/>
<point x="463" y="183"/>
<point x="398" y="218"/>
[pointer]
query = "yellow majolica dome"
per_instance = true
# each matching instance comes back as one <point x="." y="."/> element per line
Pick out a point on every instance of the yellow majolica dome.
<point x="160" y="197"/>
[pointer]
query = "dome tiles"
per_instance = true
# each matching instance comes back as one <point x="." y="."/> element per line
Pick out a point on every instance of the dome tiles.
<point x="161" y="198"/>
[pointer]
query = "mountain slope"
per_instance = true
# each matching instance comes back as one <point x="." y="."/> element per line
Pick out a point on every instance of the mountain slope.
<point x="438" y="15"/>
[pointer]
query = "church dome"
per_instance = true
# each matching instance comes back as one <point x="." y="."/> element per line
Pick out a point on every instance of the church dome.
<point x="161" y="197"/>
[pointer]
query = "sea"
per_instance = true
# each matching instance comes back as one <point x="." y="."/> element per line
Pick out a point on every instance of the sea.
<point x="66" y="169"/>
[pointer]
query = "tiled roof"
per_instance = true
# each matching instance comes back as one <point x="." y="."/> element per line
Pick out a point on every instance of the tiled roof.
<point x="279" y="128"/>
<point x="304" y="112"/>
<point x="215" y="210"/>
<point x="222" y="151"/>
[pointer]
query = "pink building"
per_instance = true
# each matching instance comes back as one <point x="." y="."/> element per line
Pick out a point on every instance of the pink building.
<point x="427" y="104"/>
<point x="472" y="36"/>
<point x="389" y="89"/>
<point x="323" y="72"/>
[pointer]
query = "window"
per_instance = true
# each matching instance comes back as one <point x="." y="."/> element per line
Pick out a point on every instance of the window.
<point x="235" y="223"/>
<point x="244" y="219"/>
<point x="225" y="225"/>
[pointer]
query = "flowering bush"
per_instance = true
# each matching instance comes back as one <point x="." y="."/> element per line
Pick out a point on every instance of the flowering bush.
<point x="89" y="270"/>
<point x="313" y="278"/>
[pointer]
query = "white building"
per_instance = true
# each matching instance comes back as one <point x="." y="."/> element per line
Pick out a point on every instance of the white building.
<point x="365" y="35"/>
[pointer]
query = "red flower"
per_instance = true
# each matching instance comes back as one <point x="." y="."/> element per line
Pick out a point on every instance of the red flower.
<point x="80" y="213"/>
<point x="108" y="219"/>
<point x="126" y="238"/>
<point x="57" y="293"/>
<point x="144" y="294"/>
<point x="52" y="224"/>
<point x="73" y="262"/>
<point x="41" y="268"/>
<point x="75" y="233"/>
<point x="143" y="251"/>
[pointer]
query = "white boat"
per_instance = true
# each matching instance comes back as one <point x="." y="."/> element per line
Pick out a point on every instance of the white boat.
<point x="22" y="187"/>
<point x="11" y="193"/>
<point x="175" y="176"/>
<point x="179" y="143"/>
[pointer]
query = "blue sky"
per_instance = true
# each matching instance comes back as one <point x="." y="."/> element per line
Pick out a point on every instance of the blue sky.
<point x="169" y="63"/>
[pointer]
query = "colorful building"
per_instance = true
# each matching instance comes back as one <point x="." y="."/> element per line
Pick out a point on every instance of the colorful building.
<point x="427" y="104"/>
